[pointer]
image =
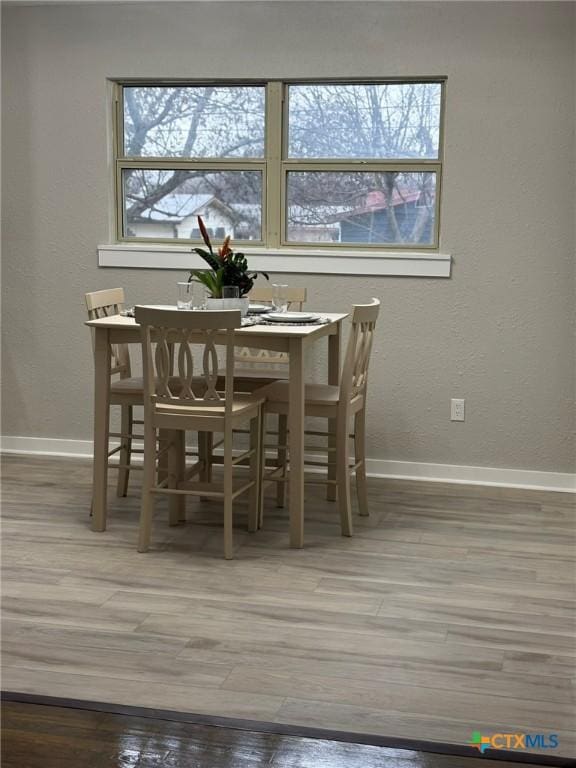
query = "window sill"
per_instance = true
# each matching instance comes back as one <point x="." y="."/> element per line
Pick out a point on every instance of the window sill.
<point x="298" y="261"/>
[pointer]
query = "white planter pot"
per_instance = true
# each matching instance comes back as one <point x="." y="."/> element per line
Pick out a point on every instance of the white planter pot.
<point x="241" y="304"/>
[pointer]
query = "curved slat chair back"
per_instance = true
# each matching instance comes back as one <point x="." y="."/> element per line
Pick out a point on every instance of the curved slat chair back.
<point x="104" y="304"/>
<point x="264" y="358"/>
<point x="354" y="377"/>
<point x="191" y="340"/>
<point x="264" y="294"/>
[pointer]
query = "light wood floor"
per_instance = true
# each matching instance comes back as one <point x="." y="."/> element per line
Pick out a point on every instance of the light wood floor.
<point x="451" y="609"/>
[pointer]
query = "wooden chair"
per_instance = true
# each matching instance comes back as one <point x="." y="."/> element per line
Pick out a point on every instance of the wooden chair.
<point x="173" y="403"/>
<point x="126" y="390"/>
<point x="257" y="367"/>
<point x="264" y="294"/>
<point x="343" y="403"/>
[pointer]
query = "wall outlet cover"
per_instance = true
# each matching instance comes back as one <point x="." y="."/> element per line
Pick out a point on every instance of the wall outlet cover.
<point x="457" y="409"/>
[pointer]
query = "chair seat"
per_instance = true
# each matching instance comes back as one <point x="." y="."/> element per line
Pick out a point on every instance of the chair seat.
<point x="265" y="375"/>
<point x="240" y="405"/>
<point x="130" y="386"/>
<point x="314" y="394"/>
<point x="135" y="385"/>
<point x="260" y="373"/>
<point x="248" y="380"/>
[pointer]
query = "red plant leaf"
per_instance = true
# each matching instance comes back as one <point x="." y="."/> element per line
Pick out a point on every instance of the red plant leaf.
<point x="204" y="233"/>
<point x="226" y="250"/>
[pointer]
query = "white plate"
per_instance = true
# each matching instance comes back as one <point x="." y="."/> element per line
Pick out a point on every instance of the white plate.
<point x="291" y="317"/>
<point x="259" y="309"/>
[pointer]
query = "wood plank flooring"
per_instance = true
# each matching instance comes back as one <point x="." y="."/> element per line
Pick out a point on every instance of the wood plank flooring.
<point x="451" y="610"/>
<point x="38" y="736"/>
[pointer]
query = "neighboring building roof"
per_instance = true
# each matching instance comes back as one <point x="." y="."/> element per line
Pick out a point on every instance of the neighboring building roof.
<point x="179" y="206"/>
<point x="329" y="214"/>
<point x="376" y="201"/>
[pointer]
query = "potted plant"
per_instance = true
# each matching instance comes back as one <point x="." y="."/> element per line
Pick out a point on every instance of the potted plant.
<point x="228" y="270"/>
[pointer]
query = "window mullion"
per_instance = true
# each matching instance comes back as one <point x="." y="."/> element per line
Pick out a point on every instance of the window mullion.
<point x="274" y="192"/>
<point x="374" y="166"/>
<point x="192" y="164"/>
<point x="118" y="142"/>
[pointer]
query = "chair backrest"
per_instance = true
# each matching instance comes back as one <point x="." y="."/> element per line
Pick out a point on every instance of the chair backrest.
<point x="104" y="304"/>
<point x="264" y="359"/>
<point x="264" y="294"/>
<point x="191" y="340"/>
<point x="354" y="375"/>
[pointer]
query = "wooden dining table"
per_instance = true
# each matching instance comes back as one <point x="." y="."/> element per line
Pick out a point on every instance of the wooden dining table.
<point x="293" y="339"/>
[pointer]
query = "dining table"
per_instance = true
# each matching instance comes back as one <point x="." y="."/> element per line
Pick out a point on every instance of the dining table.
<point x="295" y="340"/>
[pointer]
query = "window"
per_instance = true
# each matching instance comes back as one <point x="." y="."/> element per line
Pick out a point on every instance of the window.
<point x="281" y="164"/>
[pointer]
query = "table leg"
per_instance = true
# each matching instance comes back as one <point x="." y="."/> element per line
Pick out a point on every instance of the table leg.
<point x="333" y="378"/>
<point x="296" y="442"/>
<point x="101" y="427"/>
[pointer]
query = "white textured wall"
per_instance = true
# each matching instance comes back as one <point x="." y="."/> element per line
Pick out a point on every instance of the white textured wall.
<point x="499" y="333"/>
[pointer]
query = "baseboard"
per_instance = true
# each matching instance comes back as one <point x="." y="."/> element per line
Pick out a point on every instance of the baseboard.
<point x="401" y="470"/>
<point x="47" y="446"/>
<point x="467" y="475"/>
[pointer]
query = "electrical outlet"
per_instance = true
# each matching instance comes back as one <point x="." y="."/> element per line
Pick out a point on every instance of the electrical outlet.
<point x="457" y="409"/>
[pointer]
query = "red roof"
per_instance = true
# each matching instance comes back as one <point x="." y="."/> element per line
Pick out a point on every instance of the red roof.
<point x="376" y="200"/>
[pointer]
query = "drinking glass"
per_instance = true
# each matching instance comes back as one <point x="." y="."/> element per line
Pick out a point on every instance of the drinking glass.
<point x="280" y="299"/>
<point x="185" y="296"/>
<point x="204" y="295"/>
<point x="230" y="292"/>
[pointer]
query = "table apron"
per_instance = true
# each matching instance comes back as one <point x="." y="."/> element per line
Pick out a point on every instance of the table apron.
<point x="252" y="340"/>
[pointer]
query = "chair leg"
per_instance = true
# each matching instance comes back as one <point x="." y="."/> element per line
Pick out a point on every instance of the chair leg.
<point x="255" y="474"/>
<point x="202" y="452"/>
<point x="209" y="452"/>
<point x="163" y="439"/>
<point x="282" y="454"/>
<point x="147" y="502"/>
<point x="343" y="477"/>
<point x="262" y="470"/>
<point x="174" y="476"/>
<point x="331" y="489"/>
<point x="360" y="456"/>
<point x="205" y="442"/>
<point x="125" y="454"/>
<point x="181" y="468"/>
<point x="228" y="519"/>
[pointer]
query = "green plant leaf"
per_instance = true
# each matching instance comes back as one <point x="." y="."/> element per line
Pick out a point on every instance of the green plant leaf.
<point x="212" y="281"/>
<point x="211" y="260"/>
